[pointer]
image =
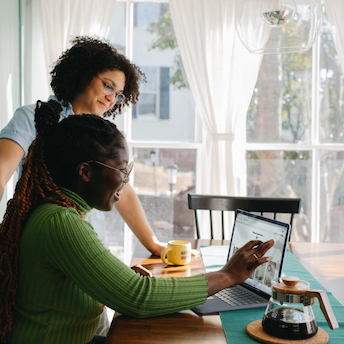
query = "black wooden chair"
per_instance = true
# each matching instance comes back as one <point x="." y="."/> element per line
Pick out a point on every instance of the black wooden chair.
<point x="260" y="205"/>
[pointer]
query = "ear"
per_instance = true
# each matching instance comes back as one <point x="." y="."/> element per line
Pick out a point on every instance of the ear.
<point x="84" y="172"/>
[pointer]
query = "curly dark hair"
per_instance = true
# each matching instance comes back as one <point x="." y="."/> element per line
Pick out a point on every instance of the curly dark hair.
<point x="89" y="56"/>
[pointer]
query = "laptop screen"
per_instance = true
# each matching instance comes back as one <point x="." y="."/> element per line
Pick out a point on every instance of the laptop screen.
<point x="248" y="227"/>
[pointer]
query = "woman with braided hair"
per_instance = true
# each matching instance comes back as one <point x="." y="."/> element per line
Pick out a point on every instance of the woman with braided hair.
<point x="89" y="78"/>
<point x="55" y="273"/>
<point x="93" y="78"/>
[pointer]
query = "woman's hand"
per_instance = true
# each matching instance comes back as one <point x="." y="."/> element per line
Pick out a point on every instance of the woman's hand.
<point x="240" y="266"/>
<point x="243" y="263"/>
<point x="139" y="269"/>
<point x="157" y="248"/>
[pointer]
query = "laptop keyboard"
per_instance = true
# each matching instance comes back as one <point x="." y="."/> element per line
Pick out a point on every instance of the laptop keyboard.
<point x="238" y="296"/>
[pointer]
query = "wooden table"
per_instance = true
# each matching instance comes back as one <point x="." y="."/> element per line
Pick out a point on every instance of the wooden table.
<point x="183" y="327"/>
<point x="324" y="261"/>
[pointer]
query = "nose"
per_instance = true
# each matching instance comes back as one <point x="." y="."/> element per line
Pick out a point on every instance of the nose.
<point x="112" y="98"/>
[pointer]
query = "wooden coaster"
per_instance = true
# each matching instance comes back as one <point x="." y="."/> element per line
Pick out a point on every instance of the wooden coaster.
<point x="256" y="332"/>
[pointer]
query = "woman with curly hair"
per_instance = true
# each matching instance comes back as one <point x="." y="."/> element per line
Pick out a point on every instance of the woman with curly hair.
<point x="55" y="273"/>
<point x="90" y="77"/>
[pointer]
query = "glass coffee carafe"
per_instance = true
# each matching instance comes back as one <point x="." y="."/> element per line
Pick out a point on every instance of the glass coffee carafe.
<point x="289" y="314"/>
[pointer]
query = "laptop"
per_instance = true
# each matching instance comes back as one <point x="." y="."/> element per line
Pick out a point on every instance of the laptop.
<point x="255" y="292"/>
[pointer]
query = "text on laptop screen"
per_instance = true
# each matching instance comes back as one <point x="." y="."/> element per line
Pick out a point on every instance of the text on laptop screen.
<point x="254" y="228"/>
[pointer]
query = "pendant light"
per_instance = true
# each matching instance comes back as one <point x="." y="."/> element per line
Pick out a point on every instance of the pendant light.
<point x="278" y="26"/>
<point x="277" y="13"/>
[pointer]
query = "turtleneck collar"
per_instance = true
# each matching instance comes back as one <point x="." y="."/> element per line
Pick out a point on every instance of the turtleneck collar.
<point x="80" y="203"/>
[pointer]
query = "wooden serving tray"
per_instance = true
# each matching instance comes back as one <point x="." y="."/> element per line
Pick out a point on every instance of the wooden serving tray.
<point x="256" y="332"/>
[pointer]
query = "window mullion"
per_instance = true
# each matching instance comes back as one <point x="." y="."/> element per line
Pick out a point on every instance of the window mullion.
<point x="129" y="53"/>
<point x="315" y="122"/>
<point x="315" y="220"/>
<point x="128" y="235"/>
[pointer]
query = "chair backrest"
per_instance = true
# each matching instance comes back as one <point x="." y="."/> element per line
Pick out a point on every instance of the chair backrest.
<point x="252" y="204"/>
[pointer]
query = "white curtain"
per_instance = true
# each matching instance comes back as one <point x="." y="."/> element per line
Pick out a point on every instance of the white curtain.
<point x="50" y="24"/>
<point x="335" y="12"/>
<point x="221" y="74"/>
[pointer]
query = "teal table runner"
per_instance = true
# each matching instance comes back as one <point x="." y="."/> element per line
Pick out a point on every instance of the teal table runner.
<point x="234" y="323"/>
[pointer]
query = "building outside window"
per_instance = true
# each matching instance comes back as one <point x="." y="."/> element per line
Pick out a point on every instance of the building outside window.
<point x="154" y="95"/>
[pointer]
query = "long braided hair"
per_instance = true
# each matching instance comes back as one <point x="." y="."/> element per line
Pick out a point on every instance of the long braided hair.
<point x="52" y="160"/>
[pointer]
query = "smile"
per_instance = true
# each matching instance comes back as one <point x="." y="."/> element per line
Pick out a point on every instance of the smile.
<point x="103" y="105"/>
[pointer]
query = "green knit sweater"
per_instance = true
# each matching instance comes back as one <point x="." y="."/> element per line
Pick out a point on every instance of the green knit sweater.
<point x="66" y="275"/>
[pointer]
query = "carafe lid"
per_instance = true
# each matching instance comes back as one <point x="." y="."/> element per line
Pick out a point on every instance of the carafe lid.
<point x="289" y="285"/>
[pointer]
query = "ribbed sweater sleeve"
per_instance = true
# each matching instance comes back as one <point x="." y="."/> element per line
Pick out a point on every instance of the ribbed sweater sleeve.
<point x="73" y="248"/>
<point x="66" y="275"/>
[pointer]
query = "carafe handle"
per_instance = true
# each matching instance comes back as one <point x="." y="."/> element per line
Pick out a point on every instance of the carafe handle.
<point x="325" y="306"/>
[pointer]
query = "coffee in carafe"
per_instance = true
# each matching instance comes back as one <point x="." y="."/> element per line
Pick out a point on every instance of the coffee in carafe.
<point x="289" y="314"/>
<point x="289" y="323"/>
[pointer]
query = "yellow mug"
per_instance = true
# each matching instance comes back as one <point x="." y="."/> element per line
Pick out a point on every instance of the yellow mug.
<point x="178" y="252"/>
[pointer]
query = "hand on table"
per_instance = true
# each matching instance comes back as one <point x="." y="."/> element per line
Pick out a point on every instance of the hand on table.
<point x="138" y="268"/>
<point x="159" y="247"/>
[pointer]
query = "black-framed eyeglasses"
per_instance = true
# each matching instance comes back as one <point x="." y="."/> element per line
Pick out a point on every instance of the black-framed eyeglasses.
<point x="126" y="171"/>
<point x="109" y="91"/>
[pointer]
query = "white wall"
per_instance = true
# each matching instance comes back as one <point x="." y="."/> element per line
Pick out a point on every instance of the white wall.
<point x="9" y="70"/>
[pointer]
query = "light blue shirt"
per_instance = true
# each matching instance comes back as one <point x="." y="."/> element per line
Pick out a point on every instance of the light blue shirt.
<point x="22" y="130"/>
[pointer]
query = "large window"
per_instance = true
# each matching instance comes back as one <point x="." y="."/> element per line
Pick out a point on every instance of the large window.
<point x="295" y="128"/>
<point x="295" y="135"/>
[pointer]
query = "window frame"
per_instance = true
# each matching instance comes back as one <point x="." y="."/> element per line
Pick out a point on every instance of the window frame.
<point x="128" y="120"/>
<point x="314" y="146"/>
